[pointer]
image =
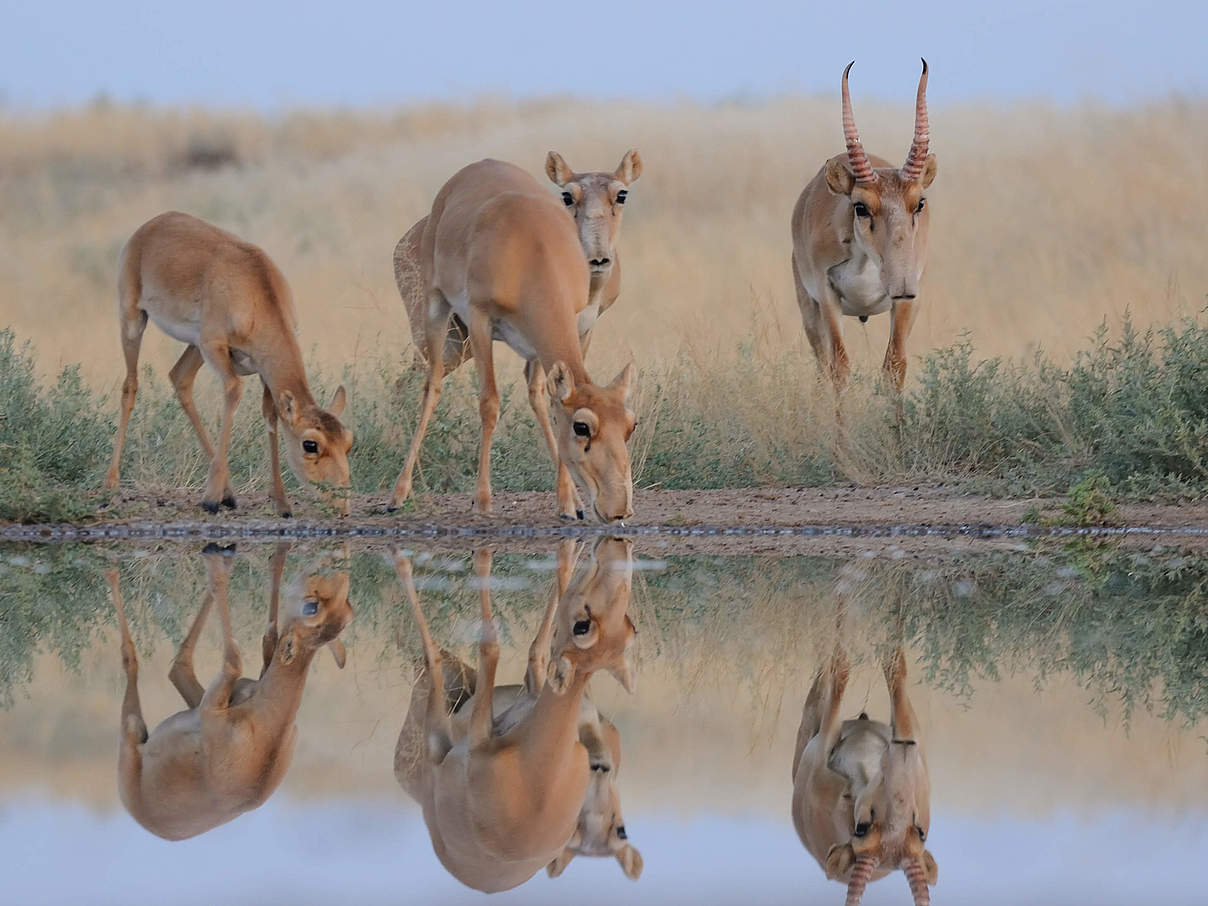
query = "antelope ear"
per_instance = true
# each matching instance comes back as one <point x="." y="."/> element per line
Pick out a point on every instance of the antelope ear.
<point x="624" y="381"/>
<point x="839" y="178"/>
<point x="337" y="402"/>
<point x="339" y="652"/>
<point x="631" y="862"/>
<point x="559" y="864"/>
<point x="287" y="407"/>
<point x="839" y="861"/>
<point x="561" y="383"/>
<point x="929" y="167"/>
<point x="931" y="870"/>
<point x="557" y="170"/>
<point x="624" y="673"/>
<point x="559" y="678"/>
<point x="630" y="167"/>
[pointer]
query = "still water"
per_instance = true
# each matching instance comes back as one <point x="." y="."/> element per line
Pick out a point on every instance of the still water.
<point x="601" y="722"/>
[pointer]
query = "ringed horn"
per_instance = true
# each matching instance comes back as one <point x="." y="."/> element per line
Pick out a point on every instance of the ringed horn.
<point x="860" y="166"/>
<point x="918" y="882"/>
<point x="913" y="168"/>
<point x="860" y="874"/>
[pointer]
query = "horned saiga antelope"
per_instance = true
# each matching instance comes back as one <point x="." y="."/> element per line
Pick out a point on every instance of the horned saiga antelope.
<point x="231" y="307"/>
<point x="514" y="778"/>
<point x="860" y="232"/>
<point x="229" y="750"/>
<point x="861" y="791"/>
<point x="504" y="258"/>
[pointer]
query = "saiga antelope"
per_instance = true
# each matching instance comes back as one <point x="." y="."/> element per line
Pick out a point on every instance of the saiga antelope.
<point x="595" y="199"/>
<point x="861" y="791"/>
<point x="502" y="255"/>
<point x="860" y="232"/>
<point x="231" y="307"/>
<point x="503" y="774"/>
<point x="229" y="750"/>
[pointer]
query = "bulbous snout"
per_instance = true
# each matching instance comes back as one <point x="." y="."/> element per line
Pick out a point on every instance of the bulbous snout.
<point x="616" y="506"/>
<point x="600" y="265"/>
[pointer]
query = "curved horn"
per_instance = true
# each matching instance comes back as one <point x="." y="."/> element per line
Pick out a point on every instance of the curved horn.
<point x="860" y="874"/>
<point x="860" y="167"/>
<point x="917" y="878"/>
<point x="913" y="168"/>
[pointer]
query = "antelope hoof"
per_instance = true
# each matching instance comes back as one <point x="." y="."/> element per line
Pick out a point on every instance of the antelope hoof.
<point x="225" y="550"/>
<point x="209" y="506"/>
<point x="229" y="501"/>
<point x="579" y="514"/>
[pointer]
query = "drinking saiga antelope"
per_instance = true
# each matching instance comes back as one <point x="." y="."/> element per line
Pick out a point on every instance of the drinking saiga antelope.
<point x="231" y="307"/>
<point x="860" y="233"/>
<point x="229" y="750"/>
<point x="514" y="778"/>
<point x="596" y="200"/>
<point x="504" y="257"/>
<point x="861" y="791"/>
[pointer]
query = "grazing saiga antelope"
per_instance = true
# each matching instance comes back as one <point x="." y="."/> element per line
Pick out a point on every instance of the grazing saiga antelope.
<point x="861" y="792"/>
<point x="860" y="233"/>
<point x="502" y="255"/>
<point x="231" y="307"/>
<point x="503" y="774"/>
<point x="229" y="750"/>
<point x="595" y="200"/>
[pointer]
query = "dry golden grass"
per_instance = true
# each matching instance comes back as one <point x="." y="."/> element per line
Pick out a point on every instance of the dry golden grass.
<point x="1046" y="221"/>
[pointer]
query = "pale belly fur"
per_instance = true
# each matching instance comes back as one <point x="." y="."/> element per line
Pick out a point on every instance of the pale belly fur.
<point x="505" y="332"/>
<point x="188" y="330"/>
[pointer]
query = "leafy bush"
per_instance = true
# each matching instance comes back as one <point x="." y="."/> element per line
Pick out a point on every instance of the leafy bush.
<point x="54" y="441"/>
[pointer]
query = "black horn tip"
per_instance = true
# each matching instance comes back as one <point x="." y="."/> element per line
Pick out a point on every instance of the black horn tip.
<point x="848" y="68"/>
<point x="924" y="59"/>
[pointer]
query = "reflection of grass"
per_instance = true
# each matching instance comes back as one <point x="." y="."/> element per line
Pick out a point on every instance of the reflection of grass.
<point x="1124" y="624"/>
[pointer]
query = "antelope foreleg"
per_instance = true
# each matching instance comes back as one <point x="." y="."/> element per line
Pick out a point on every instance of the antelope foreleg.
<point x="481" y="716"/>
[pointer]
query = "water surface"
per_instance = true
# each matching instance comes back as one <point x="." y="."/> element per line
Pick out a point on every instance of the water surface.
<point x="1059" y="692"/>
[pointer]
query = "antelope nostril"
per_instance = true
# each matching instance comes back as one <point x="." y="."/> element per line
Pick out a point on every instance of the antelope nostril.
<point x="599" y="262"/>
<point x="905" y="296"/>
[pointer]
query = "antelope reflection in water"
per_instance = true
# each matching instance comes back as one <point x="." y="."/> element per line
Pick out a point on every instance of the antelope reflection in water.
<point x="861" y="791"/>
<point x="229" y="750"/>
<point x="513" y="778"/>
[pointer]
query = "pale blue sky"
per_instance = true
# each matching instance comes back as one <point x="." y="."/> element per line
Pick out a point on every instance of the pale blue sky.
<point x="326" y="852"/>
<point x="276" y="54"/>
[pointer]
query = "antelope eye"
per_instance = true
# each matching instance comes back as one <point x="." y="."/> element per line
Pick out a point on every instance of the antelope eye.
<point x="310" y="446"/>
<point x="621" y="835"/>
<point x="310" y="607"/>
<point x="582" y="429"/>
<point x="581" y="627"/>
<point x="922" y="836"/>
<point x="621" y="196"/>
<point x="861" y="209"/>
<point x="568" y="199"/>
<point x="922" y="204"/>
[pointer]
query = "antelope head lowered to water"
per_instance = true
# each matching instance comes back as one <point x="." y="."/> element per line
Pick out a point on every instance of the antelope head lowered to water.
<point x="861" y="791"/>
<point x="860" y="231"/>
<point x="229" y="750"/>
